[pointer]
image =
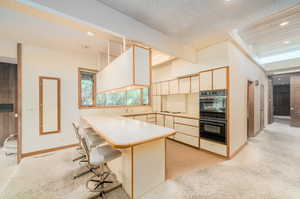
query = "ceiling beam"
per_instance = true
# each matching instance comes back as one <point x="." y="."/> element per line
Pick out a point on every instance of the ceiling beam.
<point x="111" y="21"/>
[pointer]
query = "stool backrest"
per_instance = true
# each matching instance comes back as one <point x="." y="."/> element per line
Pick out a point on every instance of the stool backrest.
<point x="85" y="148"/>
<point x="76" y="130"/>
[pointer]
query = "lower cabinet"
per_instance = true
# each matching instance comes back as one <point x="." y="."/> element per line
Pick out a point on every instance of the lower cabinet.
<point x="187" y="139"/>
<point x="160" y="120"/>
<point x="151" y="118"/>
<point x="187" y="131"/>
<point x="169" y="121"/>
<point x="214" y="147"/>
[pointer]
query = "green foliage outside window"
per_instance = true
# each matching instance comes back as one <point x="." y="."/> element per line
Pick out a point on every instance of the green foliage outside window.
<point x="123" y="98"/>
<point x="87" y="88"/>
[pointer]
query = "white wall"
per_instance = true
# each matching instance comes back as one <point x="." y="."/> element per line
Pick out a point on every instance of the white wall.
<point x="242" y="70"/>
<point x="39" y="61"/>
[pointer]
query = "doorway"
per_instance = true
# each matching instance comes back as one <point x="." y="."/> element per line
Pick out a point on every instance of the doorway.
<point x="8" y="119"/>
<point x="281" y="98"/>
<point x="250" y="109"/>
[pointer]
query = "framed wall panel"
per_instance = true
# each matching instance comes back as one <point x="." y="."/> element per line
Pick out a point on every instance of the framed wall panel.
<point x="49" y="105"/>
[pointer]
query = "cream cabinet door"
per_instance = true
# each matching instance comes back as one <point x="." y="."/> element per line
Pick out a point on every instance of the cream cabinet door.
<point x="158" y="88"/>
<point x="169" y="121"/>
<point x="184" y="85"/>
<point x="205" y="81"/>
<point x="160" y="120"/>
<point x="156" y="103"/>
<point x="164" y="88"/>
<point x="190" y="140"/>
<point x="220" y="149"/>
<point x="220" y="79"/>
<point x="174" y="86"/>
<point x="195" y="84"/>
<point x="154" y="85"/>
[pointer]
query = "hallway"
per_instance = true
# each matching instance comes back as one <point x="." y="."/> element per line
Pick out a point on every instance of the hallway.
<point x="268" y="167"/>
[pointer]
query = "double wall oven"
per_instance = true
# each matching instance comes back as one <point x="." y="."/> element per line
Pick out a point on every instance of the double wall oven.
<point x="213" y="121"/>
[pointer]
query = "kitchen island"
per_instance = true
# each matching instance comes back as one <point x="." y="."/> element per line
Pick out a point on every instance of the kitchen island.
<point x="143" y="162"/>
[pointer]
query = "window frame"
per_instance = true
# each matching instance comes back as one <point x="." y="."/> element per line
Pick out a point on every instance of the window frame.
<point x="94" y="72"/>
<point x="95" y="106"/>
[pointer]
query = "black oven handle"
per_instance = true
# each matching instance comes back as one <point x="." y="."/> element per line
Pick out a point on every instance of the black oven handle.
<point x="213" y="123"/>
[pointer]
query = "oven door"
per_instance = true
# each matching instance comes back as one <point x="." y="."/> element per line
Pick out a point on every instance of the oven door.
<point x="216" y="104"/>
<point x="213" y="130"/>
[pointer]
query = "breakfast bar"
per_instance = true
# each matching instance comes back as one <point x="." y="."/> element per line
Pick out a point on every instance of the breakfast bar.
<point x="142" y="165"/>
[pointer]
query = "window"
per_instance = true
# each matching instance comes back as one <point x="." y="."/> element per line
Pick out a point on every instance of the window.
<point x="88" y="98"/>
<point x="87" y="87"/>
<point x="132" y="97"/>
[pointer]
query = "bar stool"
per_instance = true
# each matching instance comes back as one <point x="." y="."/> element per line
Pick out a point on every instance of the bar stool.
<point x="98" y="158"/>
<point x="92" y="138"/>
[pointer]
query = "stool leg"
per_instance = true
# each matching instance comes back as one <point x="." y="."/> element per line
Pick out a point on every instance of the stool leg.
<point x="78" y="158"/>
<point x="82" y="174"/>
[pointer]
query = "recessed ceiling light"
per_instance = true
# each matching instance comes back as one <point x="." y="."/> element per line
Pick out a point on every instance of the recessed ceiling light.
<point x="90" y="34"/>
<point x="227" y="0"/>
<point x="284" y="23"/>
<point x="286" y="42"/>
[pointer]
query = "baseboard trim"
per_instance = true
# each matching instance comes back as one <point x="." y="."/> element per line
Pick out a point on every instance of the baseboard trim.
<point x="239" y="150"/>
<point x="24" y="155"/>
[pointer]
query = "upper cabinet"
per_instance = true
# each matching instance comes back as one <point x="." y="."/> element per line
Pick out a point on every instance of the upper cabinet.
<point x="132" y="68"/>
<point x="195" y="86"/>
<point x="173" y="86"/>
<point x="184" y="85"/>
<point x="215" y="79"/>
<point x="220" y="79"/>
<point x="206" y="80"/>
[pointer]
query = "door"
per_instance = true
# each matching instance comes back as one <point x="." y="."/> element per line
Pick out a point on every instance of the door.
<point x="250" y="111"/>
<point x="295" y="100"/>
<point x="270" y="102"/>
<point x="262" y="107"/>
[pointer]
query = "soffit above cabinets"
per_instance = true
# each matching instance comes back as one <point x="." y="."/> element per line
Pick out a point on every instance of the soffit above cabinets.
<point x="276" y="34"/>
<point x="198" y="23"/>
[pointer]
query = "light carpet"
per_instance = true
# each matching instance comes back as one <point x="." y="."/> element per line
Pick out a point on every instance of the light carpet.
<point x="267" y="168"/>
<point x="8" y="166"/>
<point x="50" y="176"/>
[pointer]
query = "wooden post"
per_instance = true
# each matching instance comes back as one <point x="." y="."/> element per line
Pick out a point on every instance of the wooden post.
<point x="108" y="52"/>
<point x="124" y="44"/>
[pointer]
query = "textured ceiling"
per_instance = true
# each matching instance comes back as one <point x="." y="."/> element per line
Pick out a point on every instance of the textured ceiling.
<point x="20" y="27"/>
<point x="267" y="37"/>
<point x="198" y="23"/>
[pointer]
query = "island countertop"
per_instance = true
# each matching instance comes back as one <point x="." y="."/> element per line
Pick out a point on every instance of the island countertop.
<point x="123" y="132"/>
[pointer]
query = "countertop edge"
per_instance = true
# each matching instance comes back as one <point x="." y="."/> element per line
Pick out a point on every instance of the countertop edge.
<point x="124" y="146"/>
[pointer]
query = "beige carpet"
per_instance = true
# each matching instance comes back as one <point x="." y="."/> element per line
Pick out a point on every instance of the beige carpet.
<point x="267" y="168"/>
<point x="182" y="159"/>
<point x="50" y="176"/>
<point x="8" y="166"/>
